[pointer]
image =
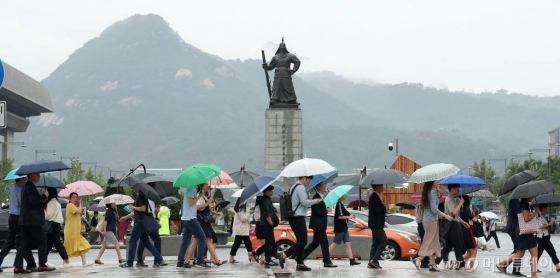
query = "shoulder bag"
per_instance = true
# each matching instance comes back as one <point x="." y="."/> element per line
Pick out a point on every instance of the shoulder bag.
<point x="527" y="228"/>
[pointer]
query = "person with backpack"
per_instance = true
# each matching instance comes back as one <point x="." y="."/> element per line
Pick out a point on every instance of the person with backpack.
<point x="300" y="203"/>
<point x="240" y="230"/>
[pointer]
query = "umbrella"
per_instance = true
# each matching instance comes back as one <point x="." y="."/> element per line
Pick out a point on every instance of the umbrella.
<point x="222" y="179"/>
<point x="532" y="189"/>
<point x="96" y="207"/>
<point x="481" y="193"/>
<point x="196" y="174"/>
<point x="83" y="188"/>
<point x="49" y="181"/>
<point x="332" y="197"/>
<point x="464" y="181"/>
<point x="163" y="185"/>
<point x="257" y="186"/>
<point x="167" y="201"/>
<point x="144" y="189"/>
<point x="118" y="199"/>
<point x="42" y="166"/>
<point x="306" y="167"/>
<point x="222" y="204"/>
<point x="276" y="192"/>
<point x="433" y="172"/>
<point x="472" y="190"/>
<point x="140" y="176"/>
<point x="12" y="175"/>
<point x="385" y="176"/>
<point x="97" y="199"/>
<point x="237" y="193"/>
<point x="325" y="177"/>
<point x="550" y="199"/>
<point x="248" y="176"/>
<point x="518" y="179"/>
<point x="406" y="204"/>
<point x="489" y="215"/>
<point x="357" y="203"/>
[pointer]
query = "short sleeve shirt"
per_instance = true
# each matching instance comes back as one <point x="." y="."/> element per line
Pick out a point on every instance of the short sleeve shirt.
<point x="111" y="218"/>
<point x="189" y="212"/>
<point x="450" y="205"/>
<point x="141" y="200"/>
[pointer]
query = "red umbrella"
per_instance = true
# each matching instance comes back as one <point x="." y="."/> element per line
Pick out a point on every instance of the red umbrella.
<point x="357" y="203"/>
<point x="83" y="188"/>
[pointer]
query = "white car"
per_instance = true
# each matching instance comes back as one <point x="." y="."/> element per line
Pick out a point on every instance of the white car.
<point x="407" y="226"/>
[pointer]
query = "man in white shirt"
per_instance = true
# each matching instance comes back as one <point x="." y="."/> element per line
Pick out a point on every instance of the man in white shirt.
<point x="191" y="227"/>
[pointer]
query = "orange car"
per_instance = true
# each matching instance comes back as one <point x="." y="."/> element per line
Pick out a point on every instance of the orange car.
<point x="401" y="244"/>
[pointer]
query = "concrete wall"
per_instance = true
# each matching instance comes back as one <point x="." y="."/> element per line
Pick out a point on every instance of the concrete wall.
<point x="283" y="138"/>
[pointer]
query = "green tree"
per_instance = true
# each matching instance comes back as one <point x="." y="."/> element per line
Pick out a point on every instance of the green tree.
<point x="76" y="173"/>
<point x="488" y="174"/>
<point x="6" y="165"/>
<point x="89" y="175"/>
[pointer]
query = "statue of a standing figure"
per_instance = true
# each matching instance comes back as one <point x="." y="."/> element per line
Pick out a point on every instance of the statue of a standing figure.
<point x="283" y="93"/>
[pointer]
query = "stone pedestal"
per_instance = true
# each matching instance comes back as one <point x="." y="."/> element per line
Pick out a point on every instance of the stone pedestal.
<point x="284" y="138"/>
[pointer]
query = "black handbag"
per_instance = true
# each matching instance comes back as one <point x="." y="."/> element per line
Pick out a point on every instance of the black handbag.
<point x="444" y="227"/>
<point x="275" y="220"/>
<point x="149" y="222"/>
<point x="48" y="227"/>
<point x="208" y="219"/>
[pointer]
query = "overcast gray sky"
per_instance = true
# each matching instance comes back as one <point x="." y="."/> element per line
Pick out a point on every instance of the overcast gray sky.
<point x="471" y="45"/>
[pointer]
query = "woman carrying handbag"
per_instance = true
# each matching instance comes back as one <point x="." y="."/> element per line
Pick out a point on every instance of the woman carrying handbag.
<point x="53" y="213"/>
<point x="526" y="240"/>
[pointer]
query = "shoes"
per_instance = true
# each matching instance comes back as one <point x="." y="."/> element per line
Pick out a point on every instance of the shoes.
<point x="354" y="262"/>
<point x="517" y="273"/>
<point x="21" y="271"/>
<point x="163" y="263"/>
<point x="45" y="268"/>
<point x="257" y="257"/>
<point x="271" y="263"/>
<point x="141" y="264"/>
<point x="302" y="268"/>
<point x="87" y="264"/>
<point x="281" y="260"/>
<point x="121" y="261"/>
<point x="203" y="264"/>
<point x="32" y="269"/>
<point x="98" y="262"/>
<point x="330" y="265"/>
<point x="375" y="264"/>
<point x="158" y="264"/>
<point x="125" y="265"/>
<point x="66" y="265"/>
<point x="185" y="265"/>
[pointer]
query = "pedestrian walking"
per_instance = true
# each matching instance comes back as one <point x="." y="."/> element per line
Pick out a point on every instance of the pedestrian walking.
<point x="453" y="240"/>
<point x="240" y="231"/>
<point x="108" y="230"/>
<point x="269" y="220"/>
<point x="543" y="237"/>
<point x="376" y="222"/>
<point x="74" y="242"/>
<point x="469" y="241"/>
<point x="53" y="213"/>
<point x="341" y="235"/>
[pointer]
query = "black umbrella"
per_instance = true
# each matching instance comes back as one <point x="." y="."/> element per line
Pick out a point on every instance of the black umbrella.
<point x="223" y="204"/>
<point x="42" y="166"/>
<point x="50" y="181"/>
<point x="163" y="185"/>
<point x="406" y="204"/>
<point x="534" y="188"/>
<point x="140" y="176"/>
<point x="167" y="201"/>
<point x="144" y="189"/>
<point x="518" y="179"/>
<point x="385" y="176"/>
<point x="550" y="199"/>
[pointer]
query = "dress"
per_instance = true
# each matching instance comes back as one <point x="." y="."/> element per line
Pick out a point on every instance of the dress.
<point x="74" y="242"/>
<point x="469" y="242"/>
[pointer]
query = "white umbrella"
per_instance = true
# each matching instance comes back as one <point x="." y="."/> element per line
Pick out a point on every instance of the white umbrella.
<point x="306" y="167"/>
<point x="433" y="172"/>
<point x="237" y="193"/>
<point x="489" y="215"/>
<point x="118" y="199"/>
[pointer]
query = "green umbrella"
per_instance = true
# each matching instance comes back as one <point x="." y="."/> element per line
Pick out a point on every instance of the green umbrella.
<point x="335" y="194"/>
<point x="196" y="174"/>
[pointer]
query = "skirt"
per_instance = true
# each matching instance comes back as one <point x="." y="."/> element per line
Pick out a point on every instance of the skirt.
<point x="526" y="242"/>
<point x="110" y="239"/>
<point x="469" y="242"/>
<point x="430" y="244"/>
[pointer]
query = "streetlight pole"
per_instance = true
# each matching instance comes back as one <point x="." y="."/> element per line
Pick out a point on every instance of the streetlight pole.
<point x="9" y="152"/>
<point x="67" y="157"/>
<point x="44" y="151"/>
<point x="500" y="159"/>
<point x="111" y="172"/>
<point x="94" y="165"/>
<point x="547" y="158"/>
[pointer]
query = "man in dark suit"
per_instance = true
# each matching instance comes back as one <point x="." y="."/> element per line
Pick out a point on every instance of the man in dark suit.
<point x="318" y="223"/>
<point x="31" y="221"/>
<point x="376" y="222"/>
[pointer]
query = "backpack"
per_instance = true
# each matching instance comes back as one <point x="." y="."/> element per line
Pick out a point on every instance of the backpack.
<point x="286" y="211"/>
<point x="478" y="230"/>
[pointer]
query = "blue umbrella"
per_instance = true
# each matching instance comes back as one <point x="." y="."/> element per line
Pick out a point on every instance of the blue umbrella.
<point x="12" y="175"/>
<point x="335" y="194"/>
<point x="325" y="177"/>
<point x="463" y="180"/>
<point x="42" y="166"/>
<point x="257" y="186"/>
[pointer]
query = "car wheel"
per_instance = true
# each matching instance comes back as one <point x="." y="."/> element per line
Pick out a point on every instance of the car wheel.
<point x="281" y="246"/>
<point x="391" y="252"/>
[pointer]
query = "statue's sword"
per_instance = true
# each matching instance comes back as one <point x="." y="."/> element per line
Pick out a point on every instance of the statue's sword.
<point x="267" y="77"/>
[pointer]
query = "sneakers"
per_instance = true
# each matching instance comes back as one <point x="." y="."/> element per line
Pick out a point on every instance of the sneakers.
<point x="302" y="268"/>
<point x="354" y="262"/>
<point x="65" y="265"/>
<point x="125" y="265"/>
<point x="163" y="263"/>
<point x="87" y="264"/>
<point x="98" y="262"/>
<point x="257" y="257"/>
<point x="158" y="264"/>
<point x="141" y="264"/>
<point x="203" y="264"/>
<point x="272" y="263"/>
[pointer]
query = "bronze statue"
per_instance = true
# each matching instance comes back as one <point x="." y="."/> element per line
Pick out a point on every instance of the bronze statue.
<point x="282" y="93"/>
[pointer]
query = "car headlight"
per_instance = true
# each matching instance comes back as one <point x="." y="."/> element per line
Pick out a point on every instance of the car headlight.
<point x="409" y="237"/>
